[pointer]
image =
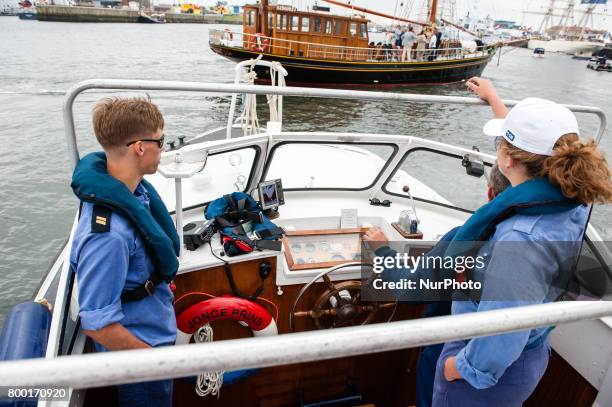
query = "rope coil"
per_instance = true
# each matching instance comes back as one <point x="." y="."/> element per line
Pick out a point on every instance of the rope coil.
<point x="249" y="120"/>
<point x="208" y="383"/>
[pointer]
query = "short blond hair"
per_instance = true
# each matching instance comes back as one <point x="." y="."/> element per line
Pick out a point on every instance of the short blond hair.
<point x="117" y="121"/>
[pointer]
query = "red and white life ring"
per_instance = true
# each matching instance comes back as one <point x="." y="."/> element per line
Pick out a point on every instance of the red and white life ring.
<point x="261" y="43"/>
<point x="239" y="309"/>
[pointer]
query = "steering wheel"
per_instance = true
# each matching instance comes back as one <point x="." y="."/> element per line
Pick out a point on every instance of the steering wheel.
<point x="340" y="304"/>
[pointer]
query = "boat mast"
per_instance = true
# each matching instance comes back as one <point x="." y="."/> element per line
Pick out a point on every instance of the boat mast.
<point x="584" y="21"/>
<point x="263" y="22"/>
<point x="433" y="10"/>
<point x="567" y="18"/>
<point x="547" y="18"/>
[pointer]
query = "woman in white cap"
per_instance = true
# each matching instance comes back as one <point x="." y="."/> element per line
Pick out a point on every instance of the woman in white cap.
<point x="554" y="177"/>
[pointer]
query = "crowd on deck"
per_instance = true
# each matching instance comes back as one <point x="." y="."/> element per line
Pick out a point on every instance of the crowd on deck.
<point x="405" y="44"/>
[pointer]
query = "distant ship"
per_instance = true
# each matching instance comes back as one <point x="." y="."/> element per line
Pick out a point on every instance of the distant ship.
<point x="566" y="46"/>
<point x="27" y="15"/>
<point x="567" y="37"/>
<point x="27" y="11"/>
<point x="317" y="47"/>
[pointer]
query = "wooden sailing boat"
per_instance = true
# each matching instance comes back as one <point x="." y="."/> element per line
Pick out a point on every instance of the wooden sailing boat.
<point x="317" y="47"/>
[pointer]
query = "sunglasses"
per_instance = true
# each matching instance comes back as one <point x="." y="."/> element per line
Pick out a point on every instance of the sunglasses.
<point x="377" y="202"/>
<point x="159" y="141"/>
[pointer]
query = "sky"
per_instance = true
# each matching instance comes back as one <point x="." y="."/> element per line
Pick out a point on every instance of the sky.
<point x="497" y="9"/>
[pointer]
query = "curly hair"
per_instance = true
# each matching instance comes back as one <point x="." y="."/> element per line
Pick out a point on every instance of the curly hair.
<point x="578" y="168"/>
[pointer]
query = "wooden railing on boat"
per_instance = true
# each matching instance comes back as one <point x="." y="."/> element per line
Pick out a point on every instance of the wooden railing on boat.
<point x="308" y="50"/>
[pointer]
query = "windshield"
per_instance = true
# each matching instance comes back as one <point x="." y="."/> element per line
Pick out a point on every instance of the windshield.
<point x="224" y="173"/>
<point x="354" y="166"/>
<point x="445" y="179"/>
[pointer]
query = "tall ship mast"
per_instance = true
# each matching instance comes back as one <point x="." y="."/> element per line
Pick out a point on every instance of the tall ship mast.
<point x="318" y="47"/>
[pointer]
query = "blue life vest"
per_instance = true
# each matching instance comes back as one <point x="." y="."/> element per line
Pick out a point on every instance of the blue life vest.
<point x="242" y="224"/>
<point x="92" y="183"/>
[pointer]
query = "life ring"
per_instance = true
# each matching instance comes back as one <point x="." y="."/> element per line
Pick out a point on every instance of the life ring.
<point x="239" y="309"/>
<point x="261" y="43"/>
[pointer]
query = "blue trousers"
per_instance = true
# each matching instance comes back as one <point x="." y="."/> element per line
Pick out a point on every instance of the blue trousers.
<point x="512" y="389"/>
<point x="426" y="373"/>
<point x="428" y="358"/>
<point x="146" y="394"/>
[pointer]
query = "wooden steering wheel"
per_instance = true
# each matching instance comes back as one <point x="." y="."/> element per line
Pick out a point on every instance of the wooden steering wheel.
<point x="340" y="304"/>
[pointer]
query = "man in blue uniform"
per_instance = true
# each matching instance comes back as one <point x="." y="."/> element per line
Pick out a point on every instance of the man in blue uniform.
<point x="124" y="299"/>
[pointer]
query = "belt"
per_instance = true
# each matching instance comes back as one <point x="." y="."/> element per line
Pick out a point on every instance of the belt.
<point x="143" y="291"/>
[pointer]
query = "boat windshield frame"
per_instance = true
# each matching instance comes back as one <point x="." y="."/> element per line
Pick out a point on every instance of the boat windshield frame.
<point x="388" y="162"/>
<point x="203" y="87"/>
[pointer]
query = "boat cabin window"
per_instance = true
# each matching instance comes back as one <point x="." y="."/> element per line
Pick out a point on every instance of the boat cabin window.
<point x="449" y="184"/>
<point x="353" y="29"/>
<point x="363" y="32"/>
<point x="282" y="22"/>
<point x="328" y="24"/>
<point x="250" y="18"/>
<point x="224" y="173"/>
<point x="295" y="23"/>
<point x="316" y="24"/>
<point x="270" y="21"/>
<point x="305" y="24"/>
<point x="337" y="27"/>
<point x="303" y="165"/>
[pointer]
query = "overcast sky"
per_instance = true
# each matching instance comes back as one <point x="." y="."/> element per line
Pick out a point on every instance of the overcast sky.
<point x="498" y="9"/>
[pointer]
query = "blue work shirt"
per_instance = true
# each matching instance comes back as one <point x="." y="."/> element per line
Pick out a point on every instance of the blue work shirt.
<point x="107" y="263"/>
<point x="521" y="278"/>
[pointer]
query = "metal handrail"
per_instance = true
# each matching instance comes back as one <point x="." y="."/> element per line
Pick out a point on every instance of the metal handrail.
<point x="143" y="85"/>
<point x="109" y="368"/>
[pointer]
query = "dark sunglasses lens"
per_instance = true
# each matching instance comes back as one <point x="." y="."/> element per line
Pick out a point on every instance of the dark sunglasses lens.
<point x="160" y="142"/>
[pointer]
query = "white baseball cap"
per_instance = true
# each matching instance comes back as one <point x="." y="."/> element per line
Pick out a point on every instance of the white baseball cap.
<point x="534" y="125"/>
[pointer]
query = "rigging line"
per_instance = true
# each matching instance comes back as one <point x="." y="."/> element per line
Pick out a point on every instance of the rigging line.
<point x="407" y="9"/>
<point x="395" y="10"/>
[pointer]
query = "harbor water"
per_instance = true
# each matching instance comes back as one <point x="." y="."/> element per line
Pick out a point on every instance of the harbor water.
<point x="40" y="60"/>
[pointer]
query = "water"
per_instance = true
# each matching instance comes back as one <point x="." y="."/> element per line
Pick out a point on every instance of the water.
<point x="40" y="60"/>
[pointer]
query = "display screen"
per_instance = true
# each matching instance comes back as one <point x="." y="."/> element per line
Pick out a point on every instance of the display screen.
<point x="268" y="195"/>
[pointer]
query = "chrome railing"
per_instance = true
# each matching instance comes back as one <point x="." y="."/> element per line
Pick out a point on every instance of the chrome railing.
<point x="271" y="45"/>
<point x="204" y="87"/>
<point x="109" y="368"/>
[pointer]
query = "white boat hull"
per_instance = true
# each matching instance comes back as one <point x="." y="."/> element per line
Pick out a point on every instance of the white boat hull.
<point x="565" y="46"/>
